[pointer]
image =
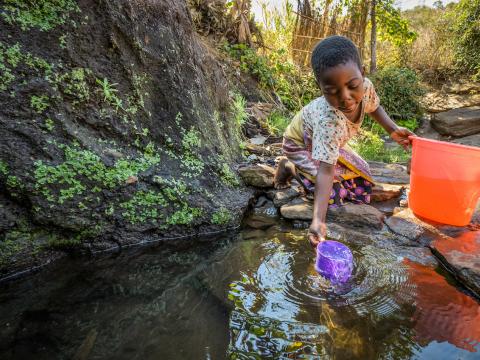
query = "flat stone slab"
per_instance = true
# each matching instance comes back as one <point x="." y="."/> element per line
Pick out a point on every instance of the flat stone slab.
<point x="472" y="140"/>
<point x="389" y="173"/>
<point x="282" y="197"/>
<point x="258" y="175"/>
<point x="297" y="211"/>
<point x="461" y="255"/>
<point x="356" y="216"/>
<point x="384" y="192"/>
<point x="436" y="102"/>
<point x="458" y="122"/>
<point x="406" y="224"/>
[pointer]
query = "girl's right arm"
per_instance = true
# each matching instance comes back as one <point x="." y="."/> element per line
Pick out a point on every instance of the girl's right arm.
<point x="323" y="188"/>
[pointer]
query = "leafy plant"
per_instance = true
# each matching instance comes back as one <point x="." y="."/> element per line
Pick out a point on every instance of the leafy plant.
<point x="399" y="91"/>
<point x="371" y="147"/>
<point x="277" y="122"/>
<point x="39" y="103"/>
<point x="221" y="216"/>
<point x="43" y="14"/>
<point x="110" y="93"/>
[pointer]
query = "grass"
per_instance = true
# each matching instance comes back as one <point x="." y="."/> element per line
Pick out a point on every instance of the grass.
<point x="372" y="148"/>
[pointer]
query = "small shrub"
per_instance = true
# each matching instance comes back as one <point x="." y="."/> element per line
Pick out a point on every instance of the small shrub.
<point x="277" y="123"/>
<point x="399" y="91"/>
<point x="371" y="147"/>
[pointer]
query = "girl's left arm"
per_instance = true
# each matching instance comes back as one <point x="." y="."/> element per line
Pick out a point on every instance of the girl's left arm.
<point x="399" y="134"/>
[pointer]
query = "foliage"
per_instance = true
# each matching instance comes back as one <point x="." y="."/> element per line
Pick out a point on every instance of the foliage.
<point x="110" y="93"/>
<point x="227" y="176"/>
<point x="221" y="216"/>
<point x="70" y="177"/>
<point x="190" y="160"/>
<point x="12" y="57"/>
<point x="399" y="91"/>
<point x="277" y="122"/>
<point x="143" y="207"/>
<point x="75" y="84"/>
<point x="275" y="72"/>
<point x="42" y="14"/>
<point x="184" y="216"/>
<point x="39" y="103"/>
<point x="49" y="124"/>
<point x="371" y="147"/>
<point x="392" y="26"/>
<point x="467" y="35"/>
<point x="238" y="110"/>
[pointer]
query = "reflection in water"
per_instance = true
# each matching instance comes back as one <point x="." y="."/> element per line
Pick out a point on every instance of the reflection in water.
<point x="253" y="298"/>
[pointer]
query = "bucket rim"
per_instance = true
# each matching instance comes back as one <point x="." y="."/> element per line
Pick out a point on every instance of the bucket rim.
<point x="444" y="143"/>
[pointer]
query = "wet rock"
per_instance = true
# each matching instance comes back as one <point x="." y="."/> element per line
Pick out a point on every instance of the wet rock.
<point x="419" y="255"/>
<point x="298" y="210"/>
<point x="257" y="175"/>
<point x="348" y="236"/>
<point x="383" y="192"/>
<point x="406" y="224"/>
<point x="261" y="201"/>
<point x="260" y="221"/>
<point x="458" y="122"/>
<point x="282" y="197"/>
<point x="258" y="140"/>
<point x="389" y="173"/>
<point x="472" y="140"/>
<point x="460" y="256"/>
<point x="356" y="216"/>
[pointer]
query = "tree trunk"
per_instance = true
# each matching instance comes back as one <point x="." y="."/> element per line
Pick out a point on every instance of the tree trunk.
<point x="373" y="38"/>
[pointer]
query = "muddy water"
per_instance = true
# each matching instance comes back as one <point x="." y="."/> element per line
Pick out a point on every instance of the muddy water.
<point x="254" y="295"/>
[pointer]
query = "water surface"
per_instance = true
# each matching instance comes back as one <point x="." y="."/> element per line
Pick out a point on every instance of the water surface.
<point x="255" y="295"/>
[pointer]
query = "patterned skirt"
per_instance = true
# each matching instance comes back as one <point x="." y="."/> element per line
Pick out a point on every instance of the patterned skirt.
<point x="352" y="178"/>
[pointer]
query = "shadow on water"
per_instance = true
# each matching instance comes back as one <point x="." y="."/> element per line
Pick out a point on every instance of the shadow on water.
<point x="255" y="295"/>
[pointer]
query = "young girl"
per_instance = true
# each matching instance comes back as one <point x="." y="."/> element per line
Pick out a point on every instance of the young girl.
<point x="315" y="141"/>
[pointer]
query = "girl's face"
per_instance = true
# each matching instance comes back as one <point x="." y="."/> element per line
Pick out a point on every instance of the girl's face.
<point x="342" y="87"/>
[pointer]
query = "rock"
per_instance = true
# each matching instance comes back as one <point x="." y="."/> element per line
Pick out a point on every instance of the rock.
<point x="436" y="102"/>
<point x="282" y="197"/>
<point x="261" y="201"/>
<point x="461" y="256"/>
<point x="357" y="216"/>
<point x="472" y="140"/>
<point x="458" y="122"/>
<point x="132" y="180"/>
<point x="260" y="221"/>
<point x="383" y="192"/>
<point x="420" y="255"/>
<point x="405" y="223"/>
<point x="258" y="140"/>
<point x="389" y="173"/>
<point x="387" y="207"/>
<point x="349" y="236"/>
<point x="257" y="175"/>
<point x="298" y="211"/>
<point x="260" y="111"/>
<point x="462" y="88"/>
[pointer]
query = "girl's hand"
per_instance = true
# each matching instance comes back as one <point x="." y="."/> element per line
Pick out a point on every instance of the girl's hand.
<point x="400" y="135"/>
<point x="317" y="233"/>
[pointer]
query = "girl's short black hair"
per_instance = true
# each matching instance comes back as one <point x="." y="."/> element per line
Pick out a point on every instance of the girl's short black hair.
<point x="333" y="51"/>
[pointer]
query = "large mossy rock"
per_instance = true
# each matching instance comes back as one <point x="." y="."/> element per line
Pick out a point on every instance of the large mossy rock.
<point x="116" y="126"/>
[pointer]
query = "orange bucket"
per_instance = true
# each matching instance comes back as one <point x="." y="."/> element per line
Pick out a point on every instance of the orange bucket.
<point x="444" y="181"/>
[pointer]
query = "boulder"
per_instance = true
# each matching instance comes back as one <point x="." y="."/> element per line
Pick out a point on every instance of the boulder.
<point x="458" y="122"/>
<point x="472" y="140"/>
<point x="436" y="102"/>
<point x="258" y="175"/>
<point x="406" y="224"/>
<point x="297" y="210"/>
<point x="282" y="197"/>
<point x="356" y="216"/>
<point x="389" y="173"/>
<point x="461" y="256"/>
<point x="383" y="192"/>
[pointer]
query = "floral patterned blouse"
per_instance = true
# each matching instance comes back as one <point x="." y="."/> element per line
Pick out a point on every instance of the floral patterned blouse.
<point x="327" y="127"/>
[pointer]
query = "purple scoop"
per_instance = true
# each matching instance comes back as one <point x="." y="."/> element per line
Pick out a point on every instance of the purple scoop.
<point x="334" y="261"/>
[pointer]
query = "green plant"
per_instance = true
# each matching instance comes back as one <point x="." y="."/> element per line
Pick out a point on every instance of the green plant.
<point x="221" y="216"/>
<point x="399" y="91"/>
<point x="227" y="176"/>
<point x="43" y="14"/>
<point x="143" y="207"/>
<point x="467" y="35"/>
<point x="49" y="124"/>
<point x="190" y="160"/>
<point x="39" y="103"/>
<point x="372" y="148"/>
<point x="75" y="84"/>
<point x="238" y="109"/>
<point x="184" y="216"/>
<point x="3" y="168"/>
<point x="84" y="169"/>
<point x="277" y="122"/>
<point x="110" y="93"/>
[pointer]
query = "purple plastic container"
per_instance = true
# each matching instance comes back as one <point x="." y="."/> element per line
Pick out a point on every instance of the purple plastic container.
<point x="334" y="261"/>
